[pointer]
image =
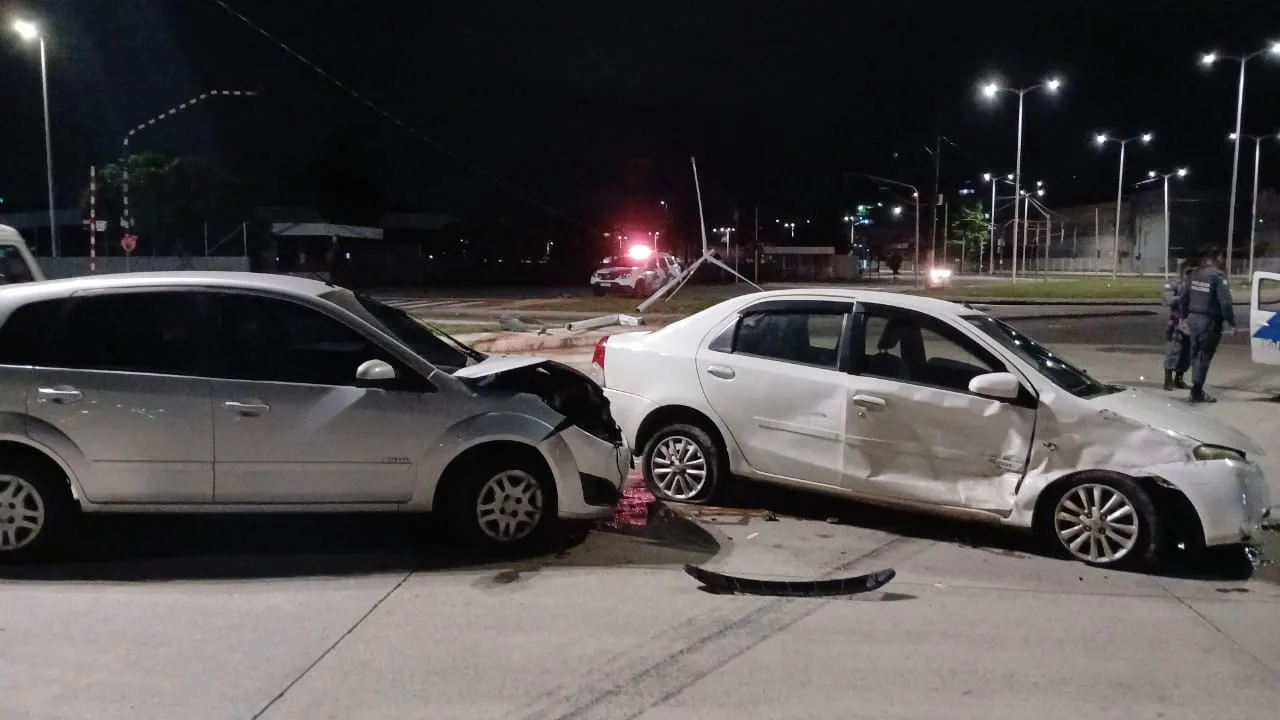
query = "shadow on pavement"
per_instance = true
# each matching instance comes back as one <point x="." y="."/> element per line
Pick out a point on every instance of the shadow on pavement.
<point x="1223" y="564"/>
<point x="223" y="547"/>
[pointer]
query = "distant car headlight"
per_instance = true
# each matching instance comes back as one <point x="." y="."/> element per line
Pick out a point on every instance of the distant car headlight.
<point x="1217" y="452"/>
<point x="940" y="273"/>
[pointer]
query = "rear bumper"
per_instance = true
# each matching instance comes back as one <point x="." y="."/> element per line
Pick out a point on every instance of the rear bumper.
<point x="1232" y="498"/>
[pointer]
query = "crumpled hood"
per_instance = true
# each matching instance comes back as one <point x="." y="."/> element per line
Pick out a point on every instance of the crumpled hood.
<point x="496" y="365"/>
<point x="1167" y="413"/>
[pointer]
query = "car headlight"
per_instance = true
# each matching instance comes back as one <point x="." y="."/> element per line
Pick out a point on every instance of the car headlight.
<point x="1217" y="452"/>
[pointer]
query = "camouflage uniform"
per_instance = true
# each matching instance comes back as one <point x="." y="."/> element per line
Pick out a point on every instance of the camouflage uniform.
<point x="1177" y="344"/>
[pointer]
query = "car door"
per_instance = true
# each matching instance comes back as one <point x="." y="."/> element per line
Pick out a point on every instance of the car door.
<point x="773" y="376"/>
<point x="124" y="378"/>
<point x="1264" y="318"/>
<point x="915" y="432"/>
<point x="291" y="422"/>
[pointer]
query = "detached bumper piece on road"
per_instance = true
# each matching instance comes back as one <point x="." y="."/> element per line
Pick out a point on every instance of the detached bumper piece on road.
<point x="730" y="585"/>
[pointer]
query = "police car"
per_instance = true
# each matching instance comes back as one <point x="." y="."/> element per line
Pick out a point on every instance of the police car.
<point x="1264" y="318"/>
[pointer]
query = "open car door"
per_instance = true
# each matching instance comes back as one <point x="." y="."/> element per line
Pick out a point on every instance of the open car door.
<point x="1264" y="318"/>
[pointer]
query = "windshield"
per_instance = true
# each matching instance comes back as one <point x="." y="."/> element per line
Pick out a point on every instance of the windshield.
<point x="620" y="261"/>
<point x="13" y="266"/>
<point x="1058" y="371"/>
<point x="402" y="326"/>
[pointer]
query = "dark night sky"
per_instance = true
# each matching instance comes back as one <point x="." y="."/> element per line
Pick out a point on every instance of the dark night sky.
<point x="586" y="106"/>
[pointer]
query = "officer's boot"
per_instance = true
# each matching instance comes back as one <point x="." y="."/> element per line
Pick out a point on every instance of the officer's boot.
<point x="1198" y="395"/>
<point x="1178" y="382"/>
<point x="1168" y="380"/>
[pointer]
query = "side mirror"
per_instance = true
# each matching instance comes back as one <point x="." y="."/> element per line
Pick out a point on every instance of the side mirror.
<point x="375" y="371"/>
<point x="1002" y="385"/>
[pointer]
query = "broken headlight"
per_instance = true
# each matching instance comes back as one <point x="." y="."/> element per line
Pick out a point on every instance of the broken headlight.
<point x="1216" y="452"/>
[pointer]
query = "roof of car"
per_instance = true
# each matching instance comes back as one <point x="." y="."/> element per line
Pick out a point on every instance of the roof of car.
<point x="932" y="306"/>
<point x="265" y="282"/>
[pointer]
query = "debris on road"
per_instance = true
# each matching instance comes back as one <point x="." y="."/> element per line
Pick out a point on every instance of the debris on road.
<point x="729" y="584"/>
<point x="511" y="323"/>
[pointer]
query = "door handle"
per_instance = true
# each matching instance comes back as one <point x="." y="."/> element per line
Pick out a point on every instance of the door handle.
<point x="722" y="372"/>
<point x="60" y="394"/>
<point x="246" y="408"/>
<point x="868" y="401"/>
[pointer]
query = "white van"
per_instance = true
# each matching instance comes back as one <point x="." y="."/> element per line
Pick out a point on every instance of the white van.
<point x="1264" y="318"/>
<point x="16" y="262"/>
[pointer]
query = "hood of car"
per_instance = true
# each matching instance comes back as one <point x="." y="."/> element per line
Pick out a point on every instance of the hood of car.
<point x="1176" y="415"/>
<point x="496" y="365"/>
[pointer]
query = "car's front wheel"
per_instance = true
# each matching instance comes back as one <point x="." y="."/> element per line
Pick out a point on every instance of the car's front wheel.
<point x="682" y="463"/>
<point x="597" y="290"/>
<point x="1104" y="520"/>
<point x="504" y="504"/>
<point x="35" y="507"/>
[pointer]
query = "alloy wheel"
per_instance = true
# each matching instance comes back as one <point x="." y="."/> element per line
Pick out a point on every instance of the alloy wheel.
<point x="22" y="513"/>
<point x="1096" y="523"/>
<point x="679" y="467"/>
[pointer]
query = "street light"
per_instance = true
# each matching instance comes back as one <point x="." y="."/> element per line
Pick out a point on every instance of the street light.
<point x="1102" y="139"/>
<point x="1152" y="176"/>
<point x="29" y="31"/>
<point x="1257" y="159"/>
<point x="990" y="90"/>
<point x="1208" y="59"/>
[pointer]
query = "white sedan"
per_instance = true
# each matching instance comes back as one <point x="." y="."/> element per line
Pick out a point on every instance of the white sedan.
<point x="923" y="404"/>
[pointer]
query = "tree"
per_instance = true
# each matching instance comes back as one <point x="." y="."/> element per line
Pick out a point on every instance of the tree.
<point x="970" y="231"/>
<point x="170" y="200"/>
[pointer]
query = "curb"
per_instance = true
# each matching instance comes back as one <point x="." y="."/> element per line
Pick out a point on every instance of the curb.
<point x="1078" y="316"/>
<point x="1034" y="302"/>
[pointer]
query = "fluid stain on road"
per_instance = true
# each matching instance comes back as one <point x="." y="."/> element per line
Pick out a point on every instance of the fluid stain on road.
<point x="642" y="515"/>
<point x="1266" y="558"/>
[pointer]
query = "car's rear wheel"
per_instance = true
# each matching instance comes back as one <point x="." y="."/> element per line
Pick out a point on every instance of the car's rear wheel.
<point x="504" y="504"/>
<point x="1104" y="520"/>
<point x="35" y="507"/>
<point x="598" y="290"/>
<point x="683" y="463"/>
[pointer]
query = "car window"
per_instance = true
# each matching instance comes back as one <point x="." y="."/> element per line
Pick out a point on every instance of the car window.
<point x="1269" y="295"/>
<point x="13" y="266"/>
<point x="144" y="332"/>
<point x="801" y="337"/>
<point x="273" y="340"/>
<point x="917" y="349"/>
<point x="24" y="335"/>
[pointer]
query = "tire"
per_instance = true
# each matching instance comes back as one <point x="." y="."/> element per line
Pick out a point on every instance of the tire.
<point x="597" y="290"/>
<point x="692" y="450"/>
<point x="519" y="502"/>
<point x="35" y="509"/>
<point x="1131" y="540"/>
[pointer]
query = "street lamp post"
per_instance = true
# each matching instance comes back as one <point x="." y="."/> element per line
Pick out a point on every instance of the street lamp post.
<point x="1257" y="160"/>
<point x="1152" y="176"/>
<point x="1103" y="139"/>
<point x="915" y="196"/>
<point x="29" y="31"/>
<point x="991" y="179"/>
<point x="1208" y="59"/>
<point x="989" y="90"/>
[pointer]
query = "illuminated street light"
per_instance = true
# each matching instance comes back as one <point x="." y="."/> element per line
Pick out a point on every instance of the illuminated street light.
<point x="1257" y="159"/>
<point x="1102" y="139"/>
<point x="29" y="31"/>
<point x="897" y="209"/>
<point x="989" y="90"/>
<point x="1208" y="59"/>
<point x="1153" y="175"/>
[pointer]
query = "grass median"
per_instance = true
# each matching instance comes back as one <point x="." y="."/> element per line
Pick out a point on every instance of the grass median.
<point x="1092" y="288"/>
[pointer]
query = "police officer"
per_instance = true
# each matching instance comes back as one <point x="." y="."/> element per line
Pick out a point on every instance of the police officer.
<point x="1177" y="345"/>
<point x="1206" y="307"/>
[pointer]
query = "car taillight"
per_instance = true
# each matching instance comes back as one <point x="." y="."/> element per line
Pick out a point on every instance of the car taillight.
<point x="597" y="357"/>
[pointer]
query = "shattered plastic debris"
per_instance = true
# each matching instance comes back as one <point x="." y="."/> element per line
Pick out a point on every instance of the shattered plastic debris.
<point x="728" y="584"/>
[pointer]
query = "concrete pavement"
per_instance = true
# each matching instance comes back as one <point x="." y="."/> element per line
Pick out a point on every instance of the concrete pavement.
<point x="357" y="618"/>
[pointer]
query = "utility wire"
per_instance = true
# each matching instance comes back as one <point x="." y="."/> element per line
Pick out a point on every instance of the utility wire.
<point x="528" y="199"/>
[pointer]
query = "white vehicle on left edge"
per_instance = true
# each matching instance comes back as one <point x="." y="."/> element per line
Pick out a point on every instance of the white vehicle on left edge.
<point x="927" y="405"/>
<point x="234" y="392"/>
